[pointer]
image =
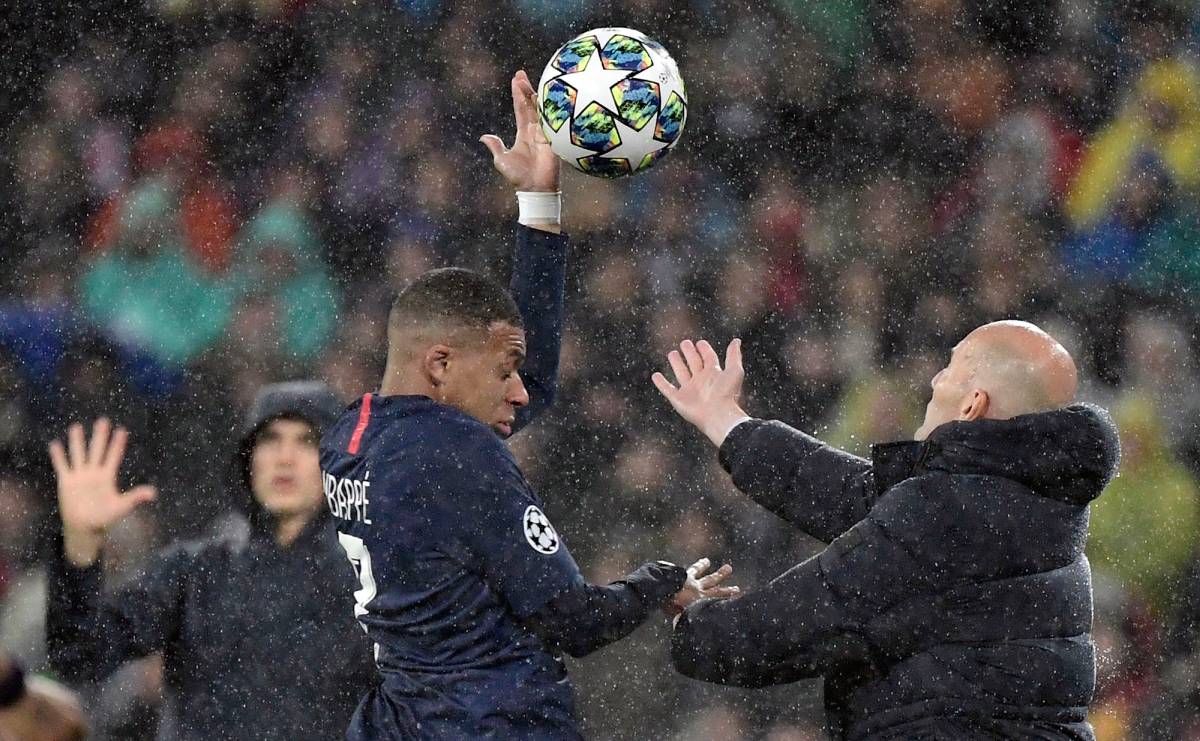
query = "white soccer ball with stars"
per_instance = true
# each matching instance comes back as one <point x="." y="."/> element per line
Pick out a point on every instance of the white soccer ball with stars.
<point x="612" y="102"/>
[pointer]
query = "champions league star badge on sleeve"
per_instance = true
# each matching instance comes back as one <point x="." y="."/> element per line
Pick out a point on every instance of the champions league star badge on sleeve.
<point x="539" y="532"/>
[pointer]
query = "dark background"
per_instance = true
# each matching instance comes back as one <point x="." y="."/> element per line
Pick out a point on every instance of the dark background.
<point x="201" y="197"/>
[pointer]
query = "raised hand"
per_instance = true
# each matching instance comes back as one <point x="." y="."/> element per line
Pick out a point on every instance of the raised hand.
<point x="530" y="165"/>
<point x="89" y="501"/>
<point x="707" y="395"/>
<point x="700" y="585"/>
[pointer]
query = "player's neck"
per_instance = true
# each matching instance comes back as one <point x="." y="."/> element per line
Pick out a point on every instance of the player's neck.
<point x="404" y="382"/>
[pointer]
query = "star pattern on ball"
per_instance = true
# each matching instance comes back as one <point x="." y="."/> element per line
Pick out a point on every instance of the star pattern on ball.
<point x="564" y="147"/>
<point x="634" y="144"/>
<point x="612" y="102"/>
<point x="594" y="83"/>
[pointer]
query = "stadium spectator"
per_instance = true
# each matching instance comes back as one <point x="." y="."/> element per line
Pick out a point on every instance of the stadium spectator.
<point x="1144" y="528"/>
<point x="1127" y="648"/>
<point x="147" y="294"/>
<point x="22" y="583"/>
<point x="37" y="709"/>
<point x="873" y="406"/>
<point x="256" y="633"/>
<point x="202" y="218"/>
<point x="287" y="303"/>
<point x="1170" y="270"/>
<point x="1111" y="251"/>
<point x="1162" y="121"/>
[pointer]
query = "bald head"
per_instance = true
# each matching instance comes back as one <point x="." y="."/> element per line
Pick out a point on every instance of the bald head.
<point x="999" y="371"/>
<point x="1022" y="368"/>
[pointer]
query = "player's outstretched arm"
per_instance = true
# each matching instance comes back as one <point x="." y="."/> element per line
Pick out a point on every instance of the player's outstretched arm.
<point x="539" y="260"/>
<point x="819" y="489"/>
<point x="802" y="623"/>
<point x="538" y="285"/>
<point x="497" y="523"/>
<point x="590" y="617"/>
<point x="700" y="584"/>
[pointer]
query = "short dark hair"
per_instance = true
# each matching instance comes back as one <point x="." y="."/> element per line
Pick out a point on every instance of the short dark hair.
<point x="456" y="295"/>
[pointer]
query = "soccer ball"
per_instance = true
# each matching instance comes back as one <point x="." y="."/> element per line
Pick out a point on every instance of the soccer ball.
<point x="612" y="102"/>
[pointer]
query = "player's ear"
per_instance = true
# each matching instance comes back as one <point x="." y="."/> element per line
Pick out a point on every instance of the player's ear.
<point x="436" y="363"/>
<point x="975" y="406"/>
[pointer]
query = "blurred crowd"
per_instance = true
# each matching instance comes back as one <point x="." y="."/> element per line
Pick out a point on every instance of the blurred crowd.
<point x="203" y="196"/>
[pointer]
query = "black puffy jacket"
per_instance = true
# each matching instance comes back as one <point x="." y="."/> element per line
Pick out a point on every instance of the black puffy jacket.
<point x="953" y="600"/>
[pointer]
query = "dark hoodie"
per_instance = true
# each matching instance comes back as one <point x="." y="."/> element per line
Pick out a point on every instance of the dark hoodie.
<point x="258" y="641"/>
<point x="953" y="600"/>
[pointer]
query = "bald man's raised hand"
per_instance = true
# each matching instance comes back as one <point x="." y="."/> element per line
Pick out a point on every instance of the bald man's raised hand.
<point x="704" y="393"/>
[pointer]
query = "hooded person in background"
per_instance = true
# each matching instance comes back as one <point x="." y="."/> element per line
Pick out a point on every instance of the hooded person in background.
<point x="954" y="599"/>
<point x="258" y="638"/>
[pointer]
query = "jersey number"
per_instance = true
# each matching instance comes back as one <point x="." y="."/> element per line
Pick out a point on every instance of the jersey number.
<point x="360" y="559"/>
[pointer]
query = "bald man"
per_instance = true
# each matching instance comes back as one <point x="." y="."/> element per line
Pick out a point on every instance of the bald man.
<point x="953" y="600"/>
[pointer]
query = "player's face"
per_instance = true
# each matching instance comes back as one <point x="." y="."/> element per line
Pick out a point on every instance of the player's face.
<point x="285" y="470"/>
<point x="950" y="386"/>
<point x="485" y="381"/>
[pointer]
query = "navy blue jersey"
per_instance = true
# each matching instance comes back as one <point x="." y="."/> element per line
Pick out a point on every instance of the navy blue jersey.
<point x="453" y="550"/>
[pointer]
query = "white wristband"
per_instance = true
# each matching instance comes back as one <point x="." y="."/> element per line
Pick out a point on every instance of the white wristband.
<point x="538" y="207"/>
